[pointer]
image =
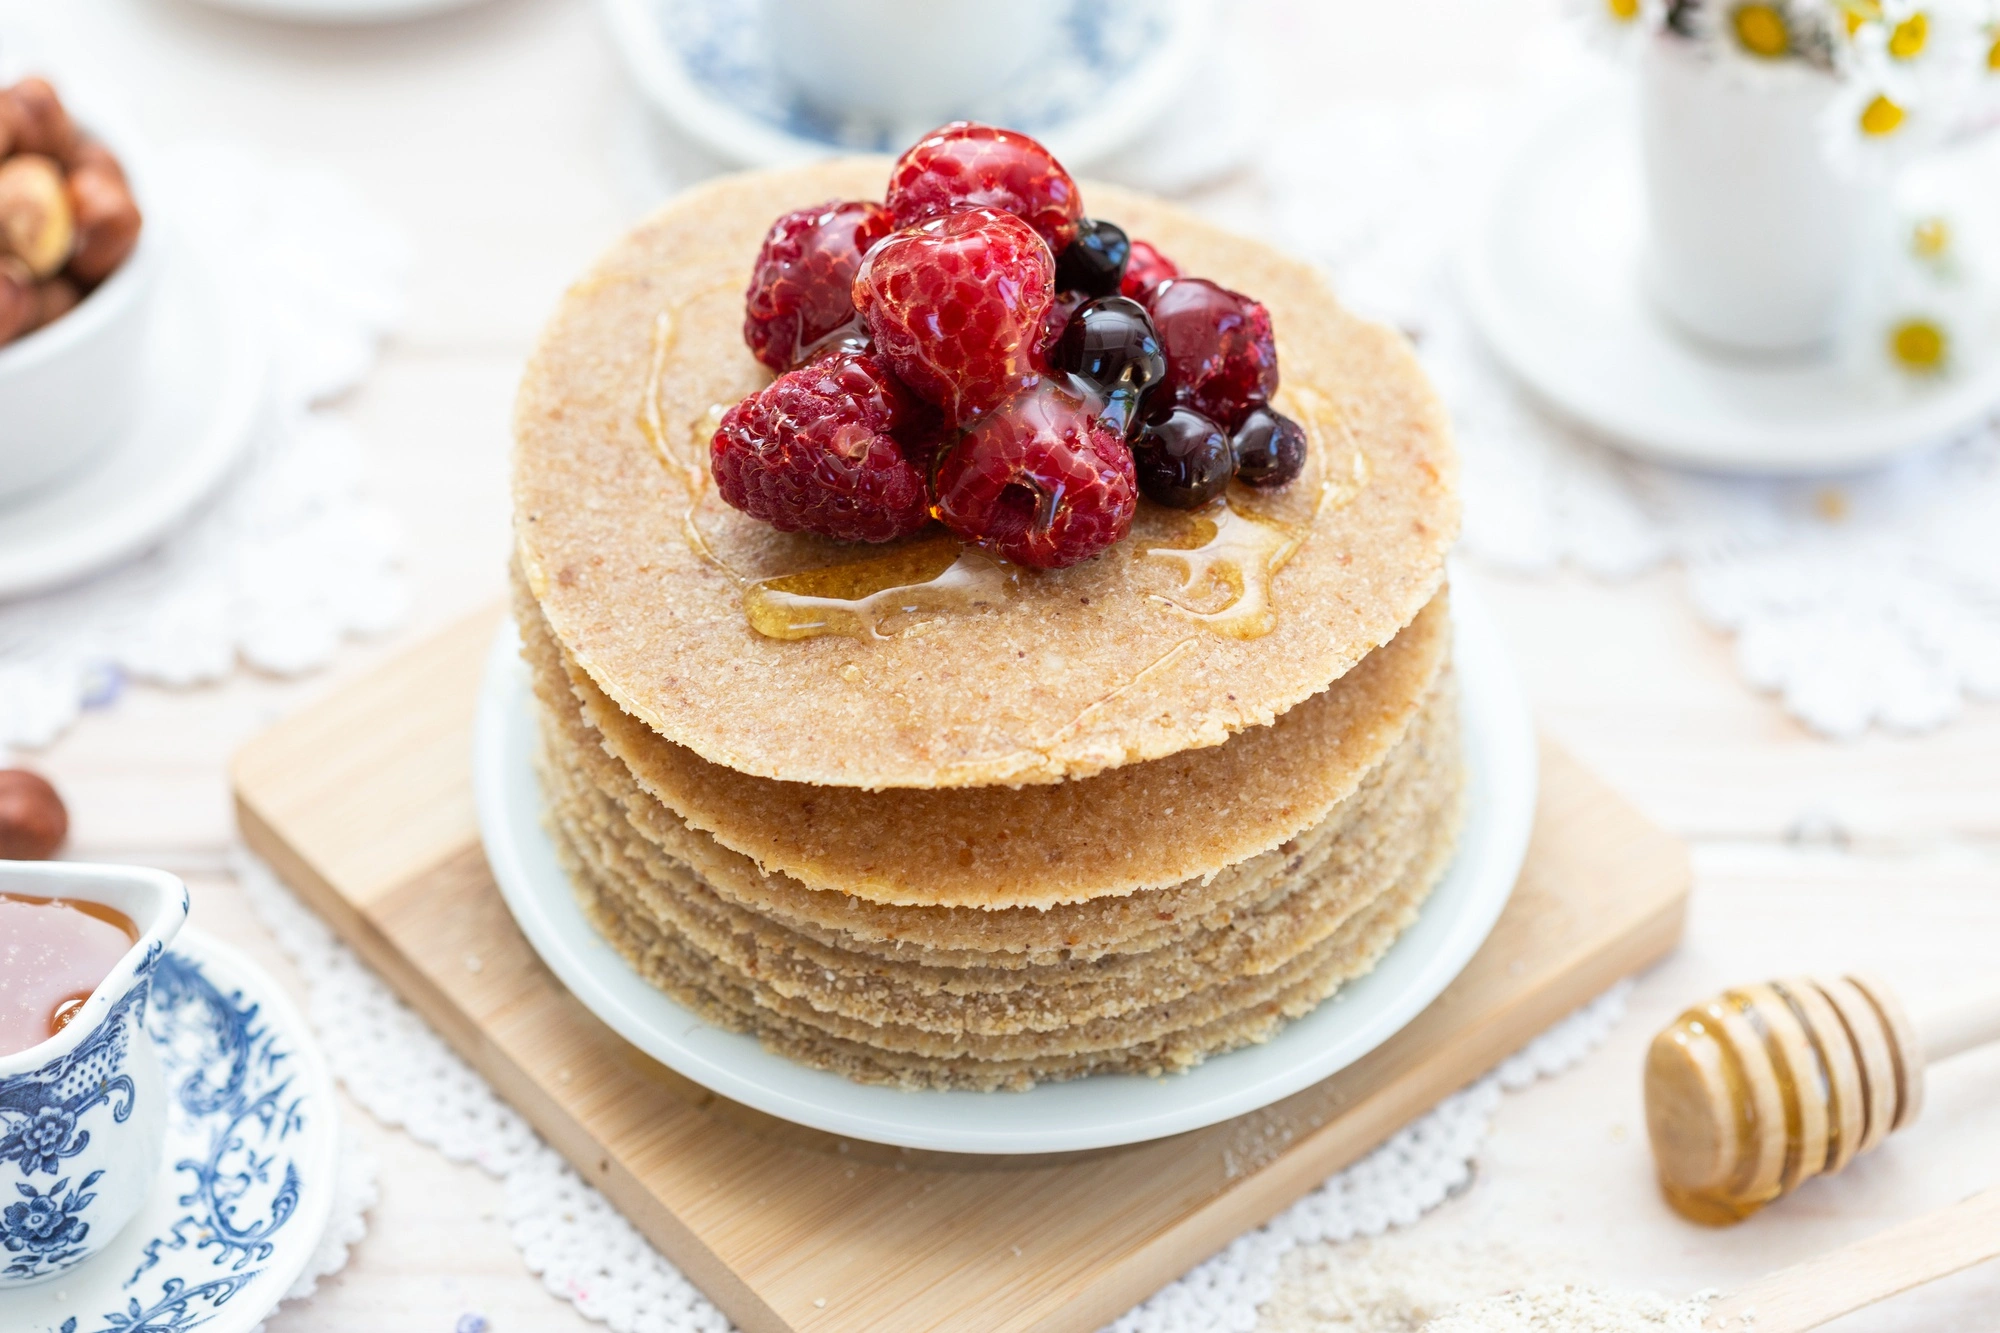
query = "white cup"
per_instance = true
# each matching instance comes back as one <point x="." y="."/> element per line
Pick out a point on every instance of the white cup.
<point x="910" y="63"/>
<point x="69" y="388"/>
<point x="1756" y="243"/>
<point x="83" y="1115"/>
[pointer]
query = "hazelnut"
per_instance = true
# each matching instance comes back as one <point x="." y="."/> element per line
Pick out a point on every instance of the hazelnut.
<point x="41" y="125"/>
<point x="33" y="822"/>
<point x="54" y="299"/>
<point x="18" y="300"/>
<point x="36" y="222"/>
<point x="93" y="153"/>
<point x="107" y="221"/>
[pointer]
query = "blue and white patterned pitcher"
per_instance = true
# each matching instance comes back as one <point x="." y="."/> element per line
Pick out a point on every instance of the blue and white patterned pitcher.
<point x="83" y="1115"/>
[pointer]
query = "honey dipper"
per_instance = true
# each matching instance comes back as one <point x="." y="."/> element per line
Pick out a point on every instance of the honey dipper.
<point x="1758" y="1090"/>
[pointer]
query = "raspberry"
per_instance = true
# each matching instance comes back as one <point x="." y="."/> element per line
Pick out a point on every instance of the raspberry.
<point x="802" y="287"/>
<point x="828" y="448"/>
<point x="1221" y="360"/>
<point x="955" y="306"/>
<point x="968" y="165"/>
<point x="1145" y="269"/>
<point x="1039" y="480"/>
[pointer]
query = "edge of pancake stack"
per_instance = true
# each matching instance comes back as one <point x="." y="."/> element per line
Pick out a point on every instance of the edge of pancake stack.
<point x="1136" y="918"/>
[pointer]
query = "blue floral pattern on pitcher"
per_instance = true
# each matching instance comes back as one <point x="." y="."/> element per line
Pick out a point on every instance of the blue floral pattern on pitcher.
<point x="46" y="1118"/>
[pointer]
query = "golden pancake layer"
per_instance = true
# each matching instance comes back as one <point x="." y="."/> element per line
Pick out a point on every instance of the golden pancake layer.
<point x="1146" y="981"/>
<point x="642" y="570"/>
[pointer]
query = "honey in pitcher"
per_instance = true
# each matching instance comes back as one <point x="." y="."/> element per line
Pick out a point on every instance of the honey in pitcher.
<point x="53" y="953"/>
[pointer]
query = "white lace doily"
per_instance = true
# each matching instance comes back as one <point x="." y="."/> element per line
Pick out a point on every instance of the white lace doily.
<point x="1870" y="598"/>
<point x="402" y="1072"/>
<point x="288" y="557"/>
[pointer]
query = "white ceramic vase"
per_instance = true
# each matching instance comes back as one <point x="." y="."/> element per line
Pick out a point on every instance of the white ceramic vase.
<point x="1756" y="243"/>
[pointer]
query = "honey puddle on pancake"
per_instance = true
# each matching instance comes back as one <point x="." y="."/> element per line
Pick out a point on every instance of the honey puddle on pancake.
<point x="1234" y="547"/>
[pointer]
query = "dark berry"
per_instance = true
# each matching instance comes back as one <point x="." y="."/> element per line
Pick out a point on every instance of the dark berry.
<point x="1054" y="321"/>
<point x="1221" y="358"/>
<point x="955" y="307"/>
<point x="802" y="286"/>
<point x="1094" y="263"/>
<point x="1111" y="346"/>
<point x="1145" y="269"/>
<point x="1183" y="459"/>
<point x="836" y="447"/>
<point x="967" y="165"/>
<point x="1040" y="480"/>
<point x="1270" y="448"/>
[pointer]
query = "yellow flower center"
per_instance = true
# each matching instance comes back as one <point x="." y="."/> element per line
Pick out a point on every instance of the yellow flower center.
<point x="1881" y="117"/>
<point x="1858" y="12"/>
<point x="1907" y="39"/>
<point x="1993" y="56"/>
<point x="1761" y="31"/>
<point x="1623" y="10"/>
<point x="1931" y="238"/>
<point x="1919" y="346"/>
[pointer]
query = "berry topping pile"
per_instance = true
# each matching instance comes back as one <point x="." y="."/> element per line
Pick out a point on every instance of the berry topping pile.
<point x="976" y="351"/>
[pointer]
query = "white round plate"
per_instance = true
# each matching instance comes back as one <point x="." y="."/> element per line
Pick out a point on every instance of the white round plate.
<point x="1551" y="271"/>
<point x="703" y="65"/>
<point x="247" y="1180"/>
<point x="200" y="397"/>
<point x="1096" y="1112"/>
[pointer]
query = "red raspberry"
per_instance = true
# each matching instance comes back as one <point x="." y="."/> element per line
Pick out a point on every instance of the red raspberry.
<point x="1145" y="269"/>
<point x="968" y="165"/>
<point x="1221" y="360"/>
<point x="801" y="290"/>
<point x="1039" y="480"/>
<point x="828" y="448"/>
<point x="955" y="306"/>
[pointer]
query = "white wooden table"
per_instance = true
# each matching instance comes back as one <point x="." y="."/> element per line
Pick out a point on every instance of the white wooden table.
<point x="495" y="138"/>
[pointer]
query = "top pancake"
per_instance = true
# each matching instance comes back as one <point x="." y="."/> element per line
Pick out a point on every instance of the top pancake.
<point x="640" y="568"/>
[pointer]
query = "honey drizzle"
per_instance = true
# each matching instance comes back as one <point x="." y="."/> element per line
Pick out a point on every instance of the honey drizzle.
<point x="1239" y="551"/>
<point x="688" y="465"/>
<point x="857" y="598"/>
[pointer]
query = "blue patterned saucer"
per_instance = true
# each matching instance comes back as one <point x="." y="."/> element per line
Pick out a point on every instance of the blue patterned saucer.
<point x="1116" y="70"/>
<point x="247" y="1180"/>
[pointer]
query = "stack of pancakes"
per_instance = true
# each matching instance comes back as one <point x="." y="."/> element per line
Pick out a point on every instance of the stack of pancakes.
<point x="1071" y="823"/>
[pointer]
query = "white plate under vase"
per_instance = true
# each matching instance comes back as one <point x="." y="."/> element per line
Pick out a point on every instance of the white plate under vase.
<point x="1099" y="1111"/>
<point x="1552" y="272"/>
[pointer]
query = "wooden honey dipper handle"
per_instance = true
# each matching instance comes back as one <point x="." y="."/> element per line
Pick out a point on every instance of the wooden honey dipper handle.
<point x="1760" y="1089"/>
<point x="1820" y="1290"/>
<point x="1961" y="1027"/>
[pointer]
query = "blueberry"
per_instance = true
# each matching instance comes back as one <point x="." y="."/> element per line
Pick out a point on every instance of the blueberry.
<point x="1110" y="345"/>
<point x="1270" y="448"/>
<point x="1094" y="263"/>
<point x="1183" y="459"/>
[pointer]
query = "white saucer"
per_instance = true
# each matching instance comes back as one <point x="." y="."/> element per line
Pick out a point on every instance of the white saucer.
<point x="702" y="65"/>
<point x="1550" y="270"/>
<point x="203" y="390"/>
<point x="1097" y="1112"/>
<point x="247" y="1181"/>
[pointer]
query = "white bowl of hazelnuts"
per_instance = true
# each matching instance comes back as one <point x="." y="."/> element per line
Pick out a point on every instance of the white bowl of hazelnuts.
<point x="76" y="283"/>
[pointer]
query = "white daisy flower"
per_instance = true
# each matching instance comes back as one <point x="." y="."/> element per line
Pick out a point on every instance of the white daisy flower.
<point x="1936" y="46"/>
<point x="1874" y="128"/>
<point x="1613" y="26"/>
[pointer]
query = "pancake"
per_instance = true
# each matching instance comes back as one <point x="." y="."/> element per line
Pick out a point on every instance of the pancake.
<point x="641" y="570"/>
<point x="1142" y="826"/>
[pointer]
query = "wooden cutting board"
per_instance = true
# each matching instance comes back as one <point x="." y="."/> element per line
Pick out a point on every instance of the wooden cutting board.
<point x="364" y="804"/>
